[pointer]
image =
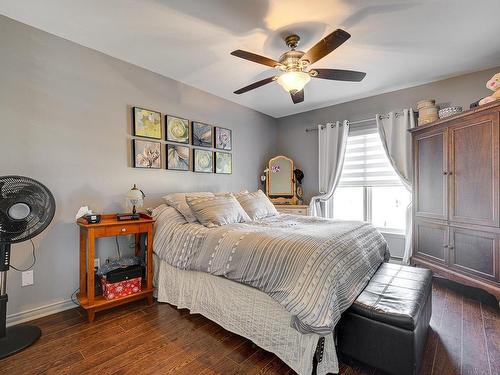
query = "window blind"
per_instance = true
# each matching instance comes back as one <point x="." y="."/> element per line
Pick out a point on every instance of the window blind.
<point x="366" y="163"/>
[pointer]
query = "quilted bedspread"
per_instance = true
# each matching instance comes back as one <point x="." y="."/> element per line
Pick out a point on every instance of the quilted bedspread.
<point x="314" y="267"/>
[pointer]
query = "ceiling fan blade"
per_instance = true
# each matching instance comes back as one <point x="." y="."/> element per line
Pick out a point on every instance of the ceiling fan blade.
<point x="255" y="85"/>
<point x="339" y="75"/>
<point x="326" y="45"/>
<point x="298" y="97"/>
<point x="255" y="58"/>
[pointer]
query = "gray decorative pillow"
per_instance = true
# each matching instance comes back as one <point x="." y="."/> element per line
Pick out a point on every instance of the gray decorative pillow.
<point x="257" y="205"/>
<point x="178" y="201"/>
<point x="217" y="210"/>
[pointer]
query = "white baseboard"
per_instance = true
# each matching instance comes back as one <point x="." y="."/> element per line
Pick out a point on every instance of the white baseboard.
<point x="39" y="312"/>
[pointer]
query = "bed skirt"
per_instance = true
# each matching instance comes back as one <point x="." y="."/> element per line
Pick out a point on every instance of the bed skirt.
<point x="245" y="311"/>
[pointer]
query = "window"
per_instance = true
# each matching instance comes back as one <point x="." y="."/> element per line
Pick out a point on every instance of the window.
<point x="348" y="203"/>
<point x="369" y="188"/>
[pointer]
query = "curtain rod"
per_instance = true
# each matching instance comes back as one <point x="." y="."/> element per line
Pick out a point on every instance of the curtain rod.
<point x="312" y="129"/>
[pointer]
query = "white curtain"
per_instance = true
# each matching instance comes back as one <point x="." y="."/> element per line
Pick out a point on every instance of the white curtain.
<point x="332" y="140"/>
<point x="397" y="144"/>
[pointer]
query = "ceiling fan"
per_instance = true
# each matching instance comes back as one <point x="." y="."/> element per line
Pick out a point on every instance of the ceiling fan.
<point x="295" y="65"/>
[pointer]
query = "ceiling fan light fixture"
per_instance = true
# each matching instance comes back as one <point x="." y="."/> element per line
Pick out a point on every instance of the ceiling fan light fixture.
<point x="293" y="81"/>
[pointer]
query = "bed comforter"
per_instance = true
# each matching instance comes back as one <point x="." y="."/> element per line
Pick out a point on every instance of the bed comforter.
<point x="314" y="267"/>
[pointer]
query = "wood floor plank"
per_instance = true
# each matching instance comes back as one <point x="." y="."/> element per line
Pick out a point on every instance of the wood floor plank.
<point x="438" y="303"/>
<point x="140" y="339"/>
<point x="275" y="367"/>
<point x="165" y="357"/>
<point x="256" y="362"/>
<point x="491" y="322"/>
<point x="54" y="350"/>
<point x="137" y="347"/>
<point x="243" y="352"/>
<point x="449" y="344"/>
<point x="474" y="346"/>
<point x="223" y="366"/>
<point x="210" y="355"/>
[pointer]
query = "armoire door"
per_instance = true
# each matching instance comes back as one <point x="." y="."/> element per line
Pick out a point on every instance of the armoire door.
<point x="473" y="172"/>
<point x="474" y="252"/>
<point x="431" y="241"/>
<point x="431" y="189"/>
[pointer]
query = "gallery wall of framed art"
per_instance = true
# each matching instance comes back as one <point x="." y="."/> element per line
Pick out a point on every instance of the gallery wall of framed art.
<point x="188" y="145"/>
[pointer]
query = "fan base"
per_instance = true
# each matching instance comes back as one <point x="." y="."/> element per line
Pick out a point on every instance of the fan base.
<point x="18" y="338"/>
<point x="292" y="41"/>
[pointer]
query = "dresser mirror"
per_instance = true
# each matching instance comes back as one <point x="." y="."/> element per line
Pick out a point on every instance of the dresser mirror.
<point x="281" y="181"/>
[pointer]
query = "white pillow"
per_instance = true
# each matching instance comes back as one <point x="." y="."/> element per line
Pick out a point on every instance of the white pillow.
<point x="178" y="201"/>
<point x="257" y="205"/>
<point x="217" y="210"/>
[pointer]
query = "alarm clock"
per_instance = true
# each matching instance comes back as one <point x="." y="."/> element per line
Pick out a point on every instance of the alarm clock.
<point x="92" y="218"/>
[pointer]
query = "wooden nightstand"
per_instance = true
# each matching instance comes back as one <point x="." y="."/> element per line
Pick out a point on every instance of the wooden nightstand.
<point x="293" y="209"/>
<point x="109" y="227"/>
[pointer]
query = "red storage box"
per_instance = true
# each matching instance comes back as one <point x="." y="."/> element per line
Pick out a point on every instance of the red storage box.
<point x="120" y="289"/>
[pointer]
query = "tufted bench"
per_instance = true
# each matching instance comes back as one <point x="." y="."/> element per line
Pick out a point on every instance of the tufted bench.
<point x="386" y="327"/>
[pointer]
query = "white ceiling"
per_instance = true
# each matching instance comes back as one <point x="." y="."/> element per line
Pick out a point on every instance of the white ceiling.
<point x="399" y="43"/>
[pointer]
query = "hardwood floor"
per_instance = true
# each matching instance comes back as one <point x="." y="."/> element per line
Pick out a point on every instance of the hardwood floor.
<point x="464" y="339"/>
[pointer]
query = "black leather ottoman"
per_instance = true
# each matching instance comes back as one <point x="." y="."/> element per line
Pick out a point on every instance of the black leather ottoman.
<point x="386" y="327"/>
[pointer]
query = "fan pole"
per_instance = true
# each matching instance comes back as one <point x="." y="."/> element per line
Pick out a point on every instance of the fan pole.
<point x="4" y="267"/>
<point x="15" y="338"/>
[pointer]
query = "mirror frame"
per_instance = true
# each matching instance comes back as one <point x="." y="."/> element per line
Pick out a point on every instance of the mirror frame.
<point x="281" y="198"/>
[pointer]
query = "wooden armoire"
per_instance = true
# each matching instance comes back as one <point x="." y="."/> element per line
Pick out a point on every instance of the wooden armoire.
<point x="456" y="196"/>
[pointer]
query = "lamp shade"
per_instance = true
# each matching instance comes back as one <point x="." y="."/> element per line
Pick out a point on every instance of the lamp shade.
<point x="135" y="196"/>
<point x="293" y="81"/>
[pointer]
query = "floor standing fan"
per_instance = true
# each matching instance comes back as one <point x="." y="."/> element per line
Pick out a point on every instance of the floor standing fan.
<point x="26" y="209"/>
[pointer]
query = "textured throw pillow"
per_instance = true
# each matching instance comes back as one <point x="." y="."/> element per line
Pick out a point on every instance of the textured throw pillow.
<point x="164" y="213"/>
<point x="257" y="205"/>
<point x="234" y="194"/>
<point x="217" y="210"/>
<point x="178" y="201"/>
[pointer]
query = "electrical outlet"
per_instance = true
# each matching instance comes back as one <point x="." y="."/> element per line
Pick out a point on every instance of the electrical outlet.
<point x="27" y="278"/>
<point x="97" y="262"/>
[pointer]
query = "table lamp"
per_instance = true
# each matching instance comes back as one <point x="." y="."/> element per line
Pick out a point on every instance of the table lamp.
<point x="135" y="197"/>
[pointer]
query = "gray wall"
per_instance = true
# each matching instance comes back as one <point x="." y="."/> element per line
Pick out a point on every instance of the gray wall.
<point x="302" y="147"/>
<point x="65" y="122"/>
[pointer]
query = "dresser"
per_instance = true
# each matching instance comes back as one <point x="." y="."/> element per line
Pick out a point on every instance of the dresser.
<point x="456" y="197"/>
<point x="294" y="209"/>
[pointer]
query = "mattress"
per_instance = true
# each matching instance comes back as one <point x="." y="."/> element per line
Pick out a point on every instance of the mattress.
<point x="245" y="311"/>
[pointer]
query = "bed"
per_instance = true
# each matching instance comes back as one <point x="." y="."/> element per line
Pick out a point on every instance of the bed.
<point x="281" y="282"/>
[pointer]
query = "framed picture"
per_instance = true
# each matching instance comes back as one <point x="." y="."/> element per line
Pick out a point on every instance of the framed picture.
<point x="177" y="129"/>
<point x="223" y="162"/>
<point x="178" y="157"/>
<point x="202" y="134"/>
<point x="146" y="154"/>
<point x="203" y="161"/>
<point x="146" y="123"/>
<point x="223" y="138"/>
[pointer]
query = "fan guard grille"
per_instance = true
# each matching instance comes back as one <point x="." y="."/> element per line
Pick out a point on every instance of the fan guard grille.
<point x="39" y="199"/>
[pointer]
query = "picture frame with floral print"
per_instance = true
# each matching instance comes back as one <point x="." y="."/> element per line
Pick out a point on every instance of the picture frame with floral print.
<point x="178" y="157"/>
<point x="177" y="129"/>
<point x="146" y="154"/>
<point x="146" y="123"/>
<point x="223" y="139"/>
<point x="202" y="134"/>
<point x="223" y="162"/>
<point x="203" y="161"/>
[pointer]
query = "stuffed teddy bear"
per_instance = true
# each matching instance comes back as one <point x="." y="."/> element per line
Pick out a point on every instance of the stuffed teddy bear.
<point x="494" y="85"/>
